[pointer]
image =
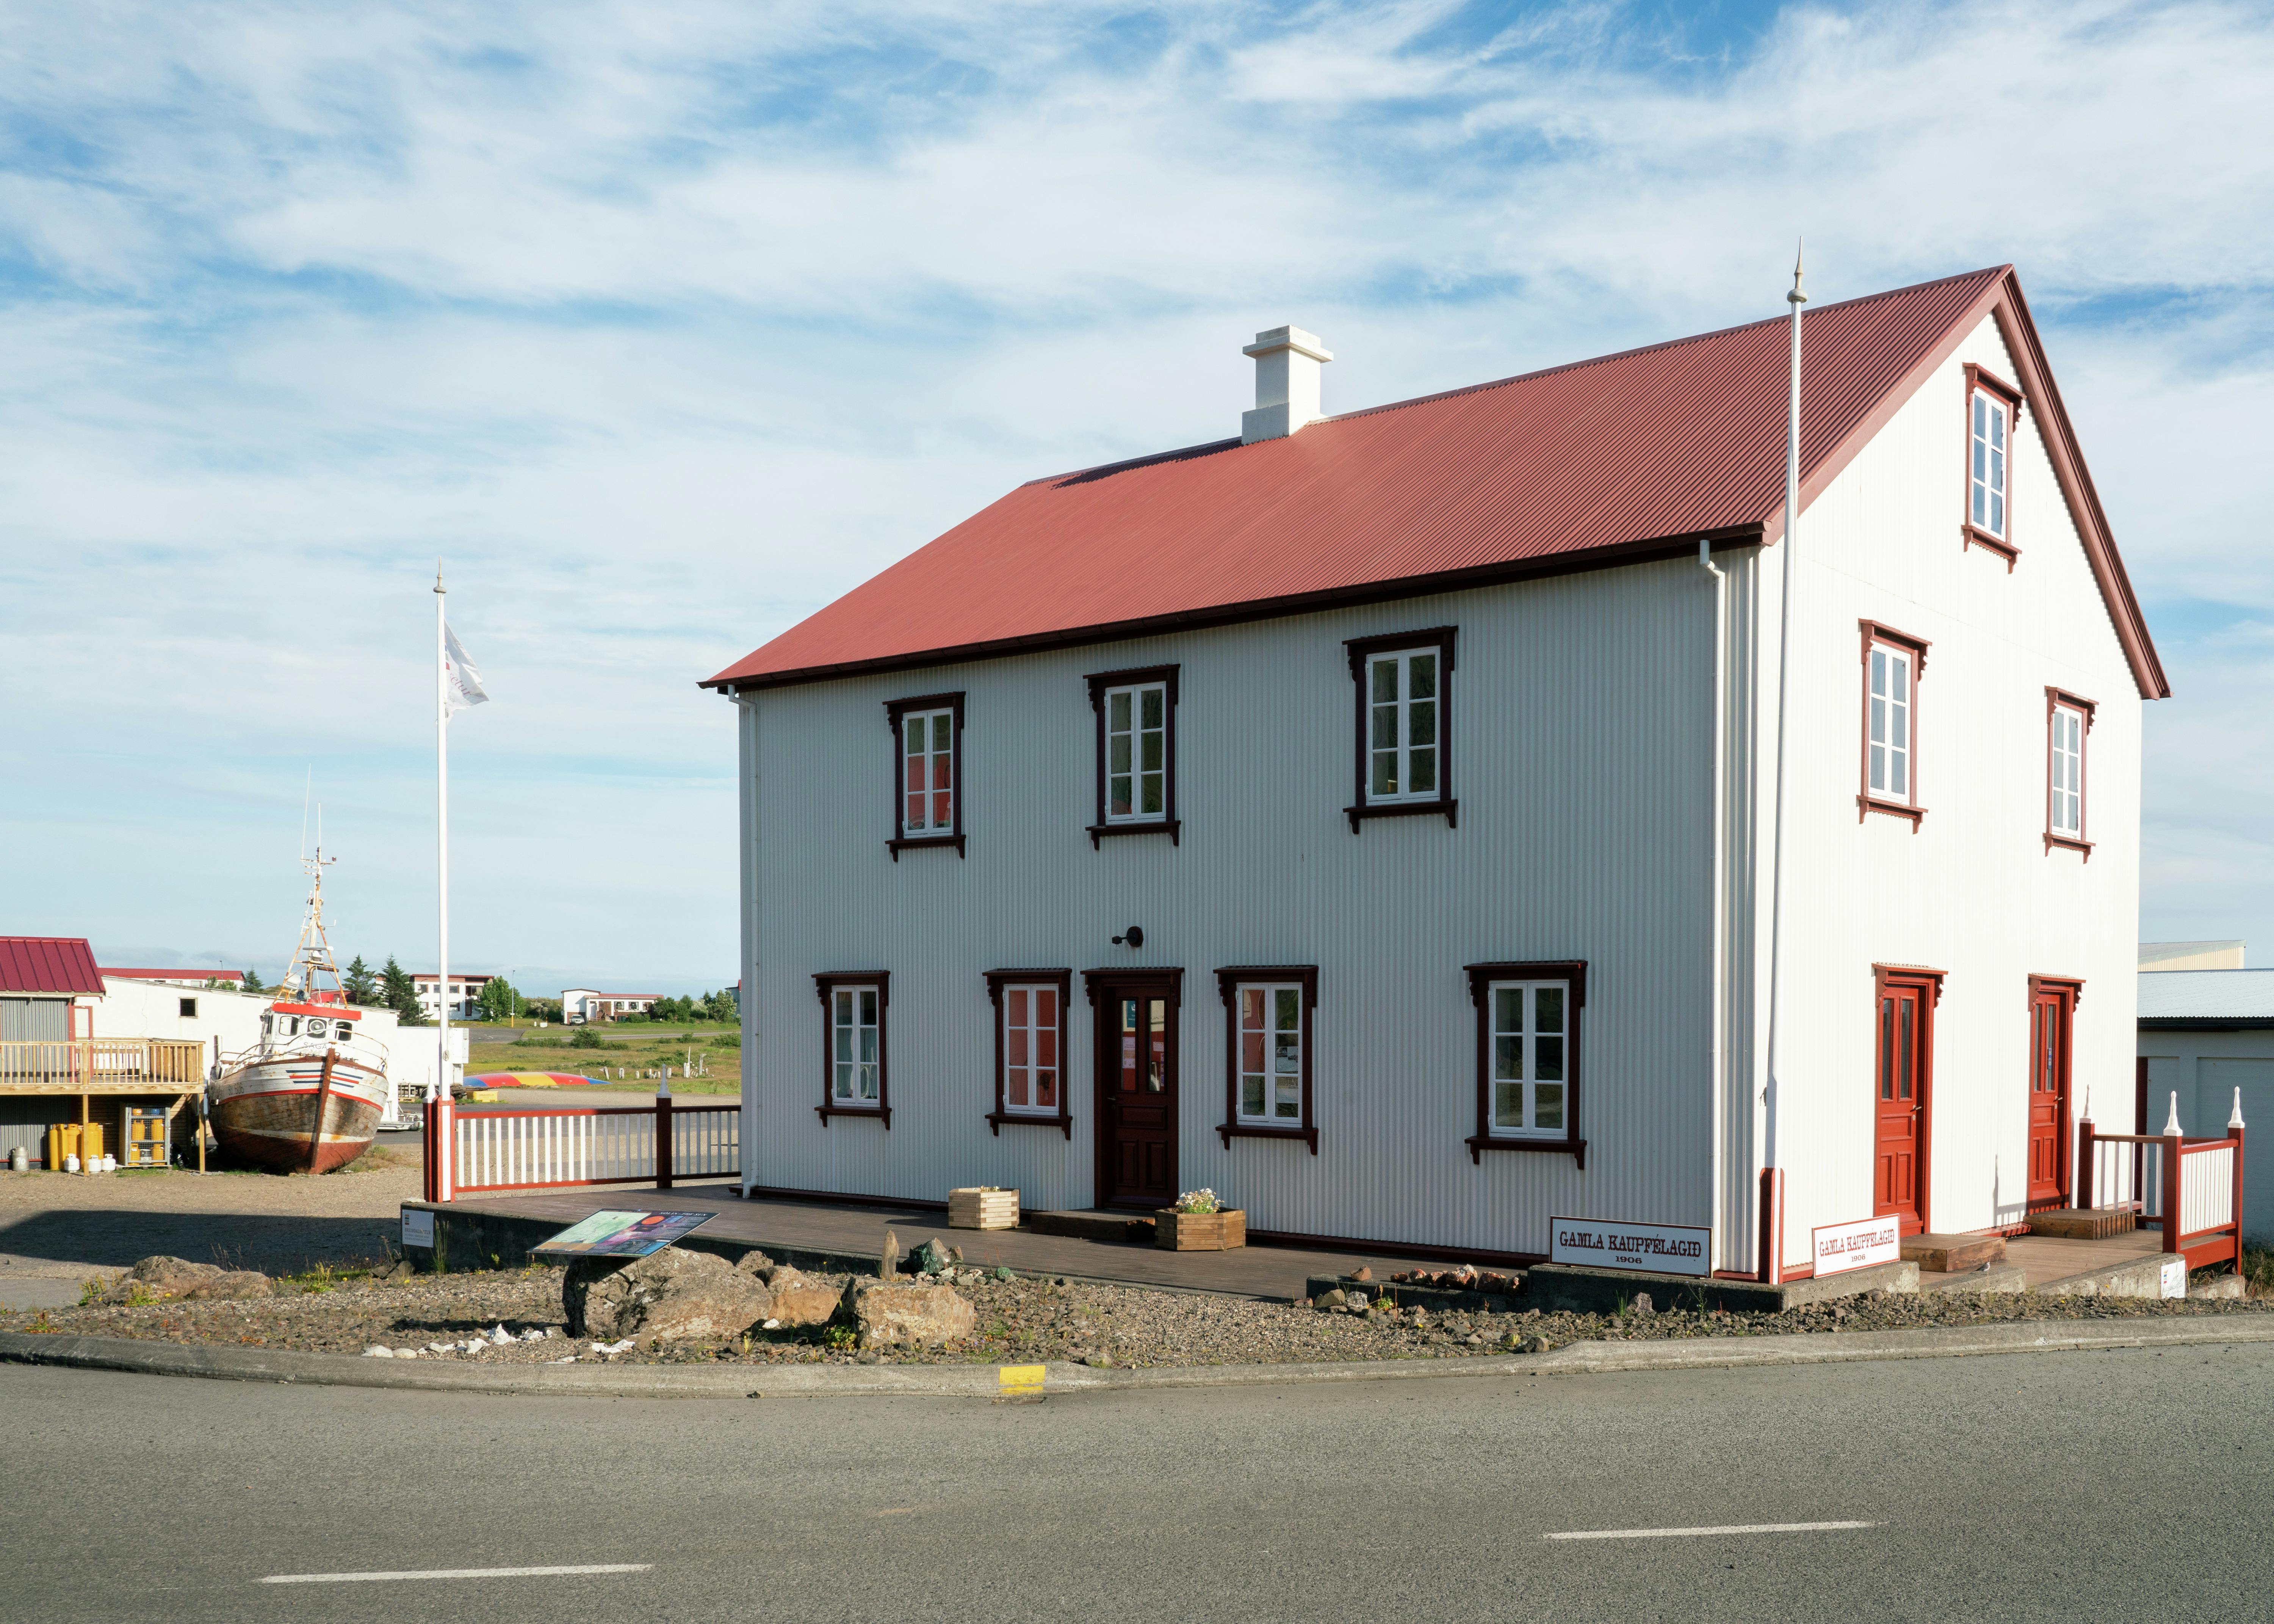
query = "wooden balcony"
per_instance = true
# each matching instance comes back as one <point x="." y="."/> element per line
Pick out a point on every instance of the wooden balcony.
<point x="102" y="1066"/>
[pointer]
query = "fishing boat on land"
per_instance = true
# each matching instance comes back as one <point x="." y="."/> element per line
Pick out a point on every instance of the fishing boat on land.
<point x="307" y="1097"/>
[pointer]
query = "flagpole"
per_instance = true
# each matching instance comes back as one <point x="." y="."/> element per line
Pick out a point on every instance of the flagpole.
<point x="1772" y="1213"/>
<point x="440" y="1093"/>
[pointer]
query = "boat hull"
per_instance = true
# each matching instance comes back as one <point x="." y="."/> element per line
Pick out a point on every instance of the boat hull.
<point x="266" y="1113"/>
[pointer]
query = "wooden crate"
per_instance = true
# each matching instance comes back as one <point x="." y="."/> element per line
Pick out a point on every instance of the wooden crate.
<point x="982" y="1209"/>
<point x="1224" y="1231"/>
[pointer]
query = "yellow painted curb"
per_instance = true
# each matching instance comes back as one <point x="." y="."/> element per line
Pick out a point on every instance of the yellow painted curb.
<point x="1020" y="1380"/>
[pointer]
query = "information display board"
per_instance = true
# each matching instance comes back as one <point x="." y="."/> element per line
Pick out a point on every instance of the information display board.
<point x="1858" y="1244"/>
<point x="621" y="1235"/>
<point x="1657" y="1248"/>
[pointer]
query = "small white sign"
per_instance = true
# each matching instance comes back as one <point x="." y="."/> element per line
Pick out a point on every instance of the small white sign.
<point x="2175" y="1278"/>
<point x="1857" y="1245"/>
<point x="418" y="1226"/>
<point x="1660" y="1248"/>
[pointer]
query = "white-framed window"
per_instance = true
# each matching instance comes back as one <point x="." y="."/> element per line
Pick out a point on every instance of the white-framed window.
<point x="1888" y="741"/>
<point x="1989" y="429"/>
<point x="857" y="1046"/>
<point x="927" y="774"/>
<point x="1034" y="1069"/>
<point x="1529" y="1044"/>
<point x="1137" y="753"/>
<point x="1269" y="1053"/>
<point x="1404" y="743"/>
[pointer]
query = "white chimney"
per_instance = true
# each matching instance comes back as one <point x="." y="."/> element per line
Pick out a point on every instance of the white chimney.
<point x="1287" y="361"/>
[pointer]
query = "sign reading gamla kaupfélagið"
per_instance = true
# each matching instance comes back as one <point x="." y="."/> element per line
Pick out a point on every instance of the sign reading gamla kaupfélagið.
<point x="1659" y="1248"/>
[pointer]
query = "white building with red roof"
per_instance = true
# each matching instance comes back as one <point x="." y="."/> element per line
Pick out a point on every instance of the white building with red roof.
<point x="1374" y="817"/>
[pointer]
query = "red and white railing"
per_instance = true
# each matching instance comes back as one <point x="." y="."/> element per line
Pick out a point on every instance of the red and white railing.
<point x="553" y="1147"/>
<point x="2192" y="1188"/>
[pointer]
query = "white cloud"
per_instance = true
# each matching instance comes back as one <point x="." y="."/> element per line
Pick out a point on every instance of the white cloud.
<point x="668" y="324"/>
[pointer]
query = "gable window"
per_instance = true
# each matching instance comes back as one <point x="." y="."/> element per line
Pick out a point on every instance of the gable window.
<point x="1527" y="1018"/>
<point x="1031" y="1048"/>
<point x="1992" y="408"/>
<point x="927" y="772"/>
<point x="1136" y="715"/>
<point x="1893" y="661"/>
<point x="1267" y="1062"/>
<point x="1404" y="694"/>
<point x="855" y="1081"/>
<point x="2069" y="720"/>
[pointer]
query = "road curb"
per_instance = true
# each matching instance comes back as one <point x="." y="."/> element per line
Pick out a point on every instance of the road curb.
<point x="992" y="1381"/>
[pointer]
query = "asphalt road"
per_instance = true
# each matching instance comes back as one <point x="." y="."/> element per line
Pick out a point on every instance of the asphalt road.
<point x="2065" y="1487"/>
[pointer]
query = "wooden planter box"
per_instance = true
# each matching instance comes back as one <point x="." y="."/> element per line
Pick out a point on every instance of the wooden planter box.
<point x="1176" y="1231"/>
<point x="982" y="1209"/>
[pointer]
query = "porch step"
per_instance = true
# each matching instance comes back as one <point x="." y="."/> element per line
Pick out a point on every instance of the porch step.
<point x="1121" y="1227"/>
<point x="1954" y="1254"/>
<point x="1997" y="1277"/>
<point x="2092" y="1223"/>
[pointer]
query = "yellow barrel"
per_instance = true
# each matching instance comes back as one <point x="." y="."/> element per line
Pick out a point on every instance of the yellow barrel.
<point x="62" y="1140"/>
<point x="90" y="1144"/>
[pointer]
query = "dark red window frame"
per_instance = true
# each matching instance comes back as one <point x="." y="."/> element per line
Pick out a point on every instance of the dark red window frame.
<point x="901" y="840"/>
<point x="1866" y="800"/>
<point x="1168" y="822"/>
<point x="1062" y="1120"/>
<point x="1981" y="381"/>
<point x="1481" y="977"/>
<point x="1360" y="650"/>
<point x="1228" y="982"/>
<point x="825" y="983"/>
<point x="2057" y="699"/>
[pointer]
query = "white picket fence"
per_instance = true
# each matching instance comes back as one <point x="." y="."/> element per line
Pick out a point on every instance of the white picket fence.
<point x="551" y="1149"/>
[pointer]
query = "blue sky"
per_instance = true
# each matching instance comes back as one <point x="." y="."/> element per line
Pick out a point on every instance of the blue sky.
<point x="662" y="326"/>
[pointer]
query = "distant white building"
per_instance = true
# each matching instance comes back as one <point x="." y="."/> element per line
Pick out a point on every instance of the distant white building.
<point x="2191" y="956"/>
<point x="465" y="991"/>
<point x="232" y="980"/>
<point x="583" y="1004"/>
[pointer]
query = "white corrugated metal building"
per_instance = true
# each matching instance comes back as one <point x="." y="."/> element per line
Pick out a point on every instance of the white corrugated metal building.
<point x="2207" y="1047"/>
<point x="1435" y="776"/>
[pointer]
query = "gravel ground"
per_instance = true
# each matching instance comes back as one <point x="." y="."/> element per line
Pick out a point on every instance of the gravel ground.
<point x="59" y="1226"/>
<point x="1018" y="1320"/>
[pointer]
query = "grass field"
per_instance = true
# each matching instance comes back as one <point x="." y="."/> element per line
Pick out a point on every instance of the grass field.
<point x="630" y="1059"/>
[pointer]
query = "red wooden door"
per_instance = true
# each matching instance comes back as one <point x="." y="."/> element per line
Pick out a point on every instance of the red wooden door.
<point x="2049" y="1069"/>
<point x="1900" y="1091"/>
<point x="1137" y="1077"/>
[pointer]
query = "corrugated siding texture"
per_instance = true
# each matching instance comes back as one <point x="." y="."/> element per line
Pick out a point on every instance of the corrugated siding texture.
<point x="1665" y="441"/>
<point x="1973" y="892"/>
<point x="1581" y="727"/>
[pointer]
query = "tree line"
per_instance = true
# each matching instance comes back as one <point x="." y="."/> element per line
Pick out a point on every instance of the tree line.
<point x="391" y="987"/>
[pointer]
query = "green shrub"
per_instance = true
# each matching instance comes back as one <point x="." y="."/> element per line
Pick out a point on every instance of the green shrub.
<point x="727" y="1040"/>
<point x="586" y="1038"/>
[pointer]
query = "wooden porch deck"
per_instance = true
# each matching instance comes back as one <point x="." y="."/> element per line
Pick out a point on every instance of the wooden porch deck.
<point x="858" y="1231"/>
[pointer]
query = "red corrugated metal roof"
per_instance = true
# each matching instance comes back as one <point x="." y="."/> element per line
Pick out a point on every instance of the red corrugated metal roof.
<point x="51" y="965"/>
<point x="1578" y="465"/>
<point x="173" y="976"/>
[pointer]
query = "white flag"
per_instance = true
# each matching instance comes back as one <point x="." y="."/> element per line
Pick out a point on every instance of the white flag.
<point x="461" y="684"/>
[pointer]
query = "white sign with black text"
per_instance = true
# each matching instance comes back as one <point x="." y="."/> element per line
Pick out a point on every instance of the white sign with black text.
<point x="1660" y="1248"/>
<point x="1857" y="1245"/>
<point x="418" y="1226"/>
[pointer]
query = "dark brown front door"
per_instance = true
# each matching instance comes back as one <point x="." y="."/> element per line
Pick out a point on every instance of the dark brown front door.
<point x="1137" y="1088"/>
<point x="2050" y="1004"/>
<point x="1899" y="1086"/>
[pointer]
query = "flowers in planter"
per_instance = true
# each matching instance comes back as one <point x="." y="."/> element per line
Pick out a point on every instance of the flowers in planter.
<point x="1199" y="1201"/>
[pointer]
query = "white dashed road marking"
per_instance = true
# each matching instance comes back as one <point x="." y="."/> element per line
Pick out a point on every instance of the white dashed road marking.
<point x="455" y="1573"/>
<point x="1685" y="1533"/>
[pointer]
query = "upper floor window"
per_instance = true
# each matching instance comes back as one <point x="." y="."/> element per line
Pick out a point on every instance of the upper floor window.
<point x="1528" y="1055"/>
<point x="1892" y="663"/>
<point x="1992" y="407"/>
<point x="2069" y="720"/>
<point x="927" y="771"/>
<point x="1136" y="751"/>
<point x="1268" y="1011"/>
<point x="1405" y="684"/>
<point x="1030" y="1046"/>
<point x="853" y="1056"/>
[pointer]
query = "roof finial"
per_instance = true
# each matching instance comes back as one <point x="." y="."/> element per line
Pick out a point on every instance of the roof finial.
<point x="438" y="575"/>
<point x="1796" y="297"/>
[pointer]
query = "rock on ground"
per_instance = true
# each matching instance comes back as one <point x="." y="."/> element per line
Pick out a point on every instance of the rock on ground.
<point x="669" y="1296"/>
<point x="799" y="1299"/>
<point x="163" y="1277"/>
<point x="892" y="1316"/>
